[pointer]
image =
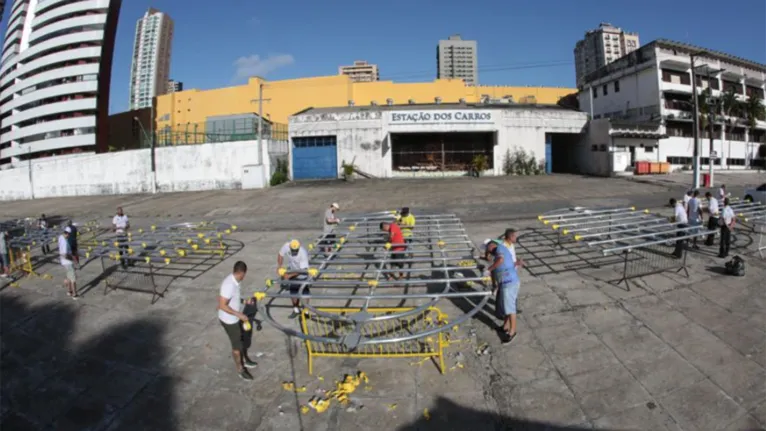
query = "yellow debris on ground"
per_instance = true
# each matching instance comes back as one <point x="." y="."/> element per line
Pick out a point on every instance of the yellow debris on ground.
<point x="305" y="409"/>
<point x="341" y="393"/>
<point x="391" y="407"/>
<point x="426" y="415"/>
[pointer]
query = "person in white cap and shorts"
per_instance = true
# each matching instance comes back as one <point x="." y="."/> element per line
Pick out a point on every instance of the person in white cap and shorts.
<point x="297" y="263"/>
<point x="65" y="254"/>
<point x="330" y="221"/>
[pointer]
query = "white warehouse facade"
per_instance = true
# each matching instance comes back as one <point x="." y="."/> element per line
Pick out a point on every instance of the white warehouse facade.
<point x="647" y="96"/>
<point x="429" y="139"/>
<point x="54" y="77"/>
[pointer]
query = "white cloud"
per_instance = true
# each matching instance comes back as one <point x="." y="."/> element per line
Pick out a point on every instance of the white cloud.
<point x="254" y="65"/>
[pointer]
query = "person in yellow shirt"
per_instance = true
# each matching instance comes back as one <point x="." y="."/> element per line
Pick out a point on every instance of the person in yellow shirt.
<point x="406" y="223"/>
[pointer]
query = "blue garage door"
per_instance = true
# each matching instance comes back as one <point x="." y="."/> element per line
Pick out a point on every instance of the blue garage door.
<point x="315" y="157"/>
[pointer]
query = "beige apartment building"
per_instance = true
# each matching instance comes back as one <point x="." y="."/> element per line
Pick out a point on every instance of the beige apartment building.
<point x="457" y="59"/>
<point x="361" y="71"/>
<point x="600" y="47"/>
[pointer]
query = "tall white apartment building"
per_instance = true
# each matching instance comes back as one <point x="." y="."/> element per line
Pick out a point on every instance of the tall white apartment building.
<point x="55" y="74"/>
<point x="150" y="72"/>
<point x="645" y="100"/>
<point x="457" y="59"/>
<point x="602" y="46"/>
<point x="361" y="71"/>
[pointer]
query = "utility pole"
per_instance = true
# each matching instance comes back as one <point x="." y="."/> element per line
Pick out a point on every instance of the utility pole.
<point x="260" y="101"/>
<point x="695" y="132"/>
<point x="151" y="148"/>
<point x="711" y="127"/>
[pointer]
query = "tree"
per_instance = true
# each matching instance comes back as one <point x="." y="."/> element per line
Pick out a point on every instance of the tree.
<point x="754" y="110"/>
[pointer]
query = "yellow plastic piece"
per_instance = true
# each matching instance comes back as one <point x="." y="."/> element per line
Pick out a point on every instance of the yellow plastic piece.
<point x="234" y="227"/>
<point x="167" y="261"/>
<point x="87" y="255"/>
<point x="319" y="404"/>
<point x="352" y="228"/>
<point x="555" y="227"/>
<point x="337" y="246"/>
<point x="311" y="247"/>
<point x="207" y="240"/>
<point x="486" y="279"/>
<point x="228" y="231"/>
<point x="546" y="222"/>
<point x="34" y="242"/>
<point x="632" y="208"/>
<point x="148" y="259"/>
<point x="388" y="246"/>
<point x="372" y="283"/>
<point x="143" y="244"/>
<point x="426" y="415"/>
<point x="195" y="246"/>
<point x="189" y="241"/>
<point x="182" y="252"/>
<point x="130" y="251"/>
<point x="313" y="272"/>
<point x="247" y="326"/>
<point x="269" y="282"/>
<point x="741" y="215"/>
<point x="163" y="252"/>
<point x="116" y="244"/>
<point x="391" y="407"/>
<point x="342" y="239"/>
<point x="282" y="271"/>
<point x="140" y="231"/>
<point x="441" y="244"/>
<point x="154" y="227"/>
<point x="746" y="220"/>
<point x="539" y="217"/>
<point x="646" y="211"/>
<point x="393" y="211"/>
<point x="577" y="237"/>
<point x="200" y="235"/>
<point x="288" y="386"/>
<point x="259" y="295"/>
<point x="305" y="409"/>
<point x="565" y="231"/>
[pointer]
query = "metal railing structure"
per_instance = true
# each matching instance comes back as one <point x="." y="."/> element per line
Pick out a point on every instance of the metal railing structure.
<point x="644" y="239"/>
<point x="748" y="213"/>
<point x="137" y="259"/>
<point x="357" y="309"/>
<point x="242" y="129"/>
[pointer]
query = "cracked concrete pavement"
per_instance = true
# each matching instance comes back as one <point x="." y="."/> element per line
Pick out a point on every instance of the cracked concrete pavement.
<point x="671" y="353"/>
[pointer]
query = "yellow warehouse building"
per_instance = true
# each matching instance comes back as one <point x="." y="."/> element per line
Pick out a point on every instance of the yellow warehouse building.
<point x="189" y="109"/>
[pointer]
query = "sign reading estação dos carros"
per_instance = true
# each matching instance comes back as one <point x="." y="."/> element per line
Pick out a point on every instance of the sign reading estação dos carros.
<point x="446" y="117"/>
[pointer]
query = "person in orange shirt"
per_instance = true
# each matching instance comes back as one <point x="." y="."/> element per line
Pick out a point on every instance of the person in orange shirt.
<point x="398" y="246"/>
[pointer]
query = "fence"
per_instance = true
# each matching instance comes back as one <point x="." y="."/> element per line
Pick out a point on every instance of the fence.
<point x="240" y="129"/>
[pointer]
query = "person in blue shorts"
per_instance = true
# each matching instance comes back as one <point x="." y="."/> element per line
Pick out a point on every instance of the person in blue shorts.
<point x="505" y="274"/>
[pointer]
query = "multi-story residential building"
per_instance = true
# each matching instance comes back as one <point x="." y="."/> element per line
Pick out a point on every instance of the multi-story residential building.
<point x="602" y="46"/>
<point x="150" y="71"/>
<point x="652" y="89"/>
<point x="457" y="59"/>
<point x="54" y="77"/>
<point x="361" y="71"/>
<point x="175" y="86"/>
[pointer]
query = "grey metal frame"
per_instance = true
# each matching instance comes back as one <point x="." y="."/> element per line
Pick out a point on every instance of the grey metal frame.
<point x="439" y="244"/>
<point x="623" y="231"/>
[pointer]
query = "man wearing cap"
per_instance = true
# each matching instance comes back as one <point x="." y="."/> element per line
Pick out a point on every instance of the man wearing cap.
<point x="297" y="263"/>
<point x="506" y="276"/>
<point x="65" y="254"/>
<point x="330" y="221"/>
<point x="406" y="223"/>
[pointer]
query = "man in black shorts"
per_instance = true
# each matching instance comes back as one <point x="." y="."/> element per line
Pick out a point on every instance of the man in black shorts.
<point x="231" y="316"/>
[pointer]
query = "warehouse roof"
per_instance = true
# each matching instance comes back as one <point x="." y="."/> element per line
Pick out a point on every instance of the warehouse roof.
<point x="434" y="106"/>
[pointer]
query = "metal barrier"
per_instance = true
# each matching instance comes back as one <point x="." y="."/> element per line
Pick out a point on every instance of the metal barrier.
<point x="316" y="326"/>
<point x="353" y="287"/>
<point x="625" y="231"/>
<point x="136" y="258"/>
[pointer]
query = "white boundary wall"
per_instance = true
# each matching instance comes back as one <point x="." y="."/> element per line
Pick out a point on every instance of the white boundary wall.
<point x="182" y="168"/>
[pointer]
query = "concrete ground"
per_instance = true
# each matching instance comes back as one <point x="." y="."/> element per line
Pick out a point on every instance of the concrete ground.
<point x="670" y="353"/>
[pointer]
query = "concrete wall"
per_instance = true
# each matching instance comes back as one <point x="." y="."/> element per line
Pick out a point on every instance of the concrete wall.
<point x="182" y="168"/>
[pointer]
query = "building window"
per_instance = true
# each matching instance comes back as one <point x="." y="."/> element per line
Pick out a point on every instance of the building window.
<point x="735" y="162"/>
<point x="605" y="89"/>
<point x="616" y="86"/>
<point x="595" y="93"/>
<point x="649" y="149"/>
<point x="679" y="160"/>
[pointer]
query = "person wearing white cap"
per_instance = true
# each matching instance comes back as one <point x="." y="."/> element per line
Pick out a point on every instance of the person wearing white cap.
<point x="65" y="254"/>
<point x="330" y="221"/>
<point x="297" y="263"/>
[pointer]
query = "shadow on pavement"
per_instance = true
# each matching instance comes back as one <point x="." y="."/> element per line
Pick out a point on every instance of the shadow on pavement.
<point x="450" y="416"/>
<point x="114" y="379"/>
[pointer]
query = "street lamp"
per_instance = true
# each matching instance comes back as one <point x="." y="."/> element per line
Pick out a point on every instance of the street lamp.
<point x="695" y="122"/>
<point x="151" y="150"/>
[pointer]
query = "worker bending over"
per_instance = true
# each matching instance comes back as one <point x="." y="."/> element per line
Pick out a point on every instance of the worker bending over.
<point x="297" y="264"/>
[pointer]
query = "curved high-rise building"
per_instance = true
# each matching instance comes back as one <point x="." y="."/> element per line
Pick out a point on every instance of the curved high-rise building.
<point x="55" y="73"/>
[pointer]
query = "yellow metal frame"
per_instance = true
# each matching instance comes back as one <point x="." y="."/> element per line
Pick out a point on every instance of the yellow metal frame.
<point x="22" y="261"/>
<point x="429" y="347"/>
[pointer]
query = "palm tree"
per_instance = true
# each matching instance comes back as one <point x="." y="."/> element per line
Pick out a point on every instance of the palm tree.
<point x="730" y="107"/>
<point x="754" y="110"/>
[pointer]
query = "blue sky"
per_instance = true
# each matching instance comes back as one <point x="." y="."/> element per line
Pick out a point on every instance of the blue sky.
<point x="521" y="42"/>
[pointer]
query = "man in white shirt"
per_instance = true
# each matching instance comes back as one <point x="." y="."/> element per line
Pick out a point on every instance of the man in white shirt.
<point x="682" y="220"/>
<point x="65" y="254"/>
<point x="694" y="214"/>
<point x="687" y="198"/>
<point x="727" y="226"/>
<point x="120" y="226"/>
<point x="230" y="313"/>
<point x="297" y="263"/>
<point x="722" y="194"/>
<point x="330" y="220"/>
<point x="712" y="220"/>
